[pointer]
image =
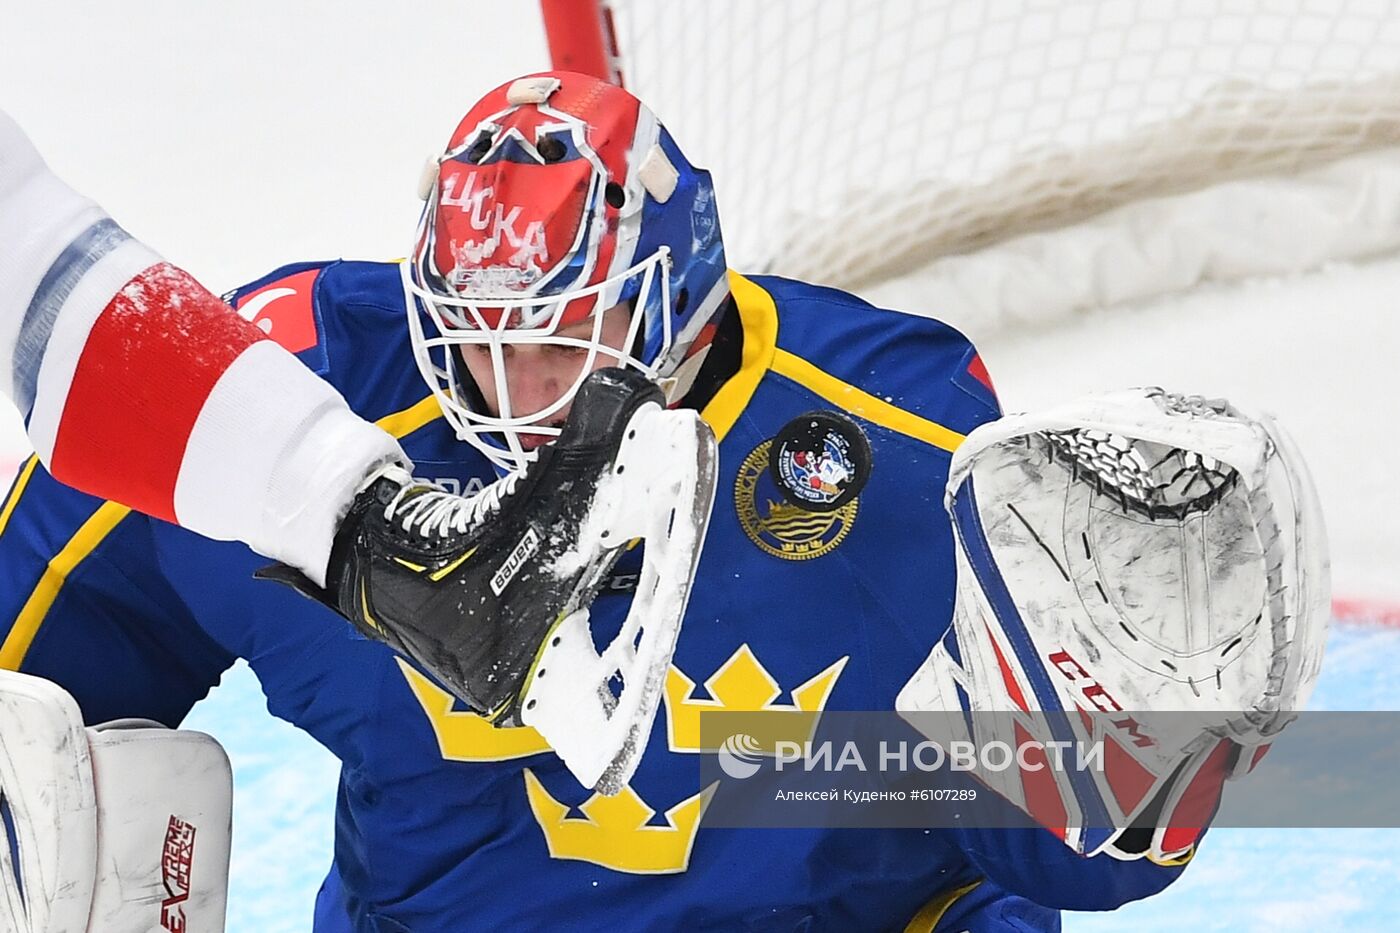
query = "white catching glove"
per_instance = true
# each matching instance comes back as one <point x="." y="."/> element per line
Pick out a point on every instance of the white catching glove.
<point x="118" y="828"/>
<point x="1141" y="569"/>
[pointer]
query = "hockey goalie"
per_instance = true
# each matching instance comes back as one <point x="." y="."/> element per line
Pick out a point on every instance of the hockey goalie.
<point x="1144" y="552"/>
<point x="1143" y="570"/>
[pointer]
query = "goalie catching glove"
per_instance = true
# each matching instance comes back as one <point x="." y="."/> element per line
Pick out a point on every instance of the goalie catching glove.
<point x="1143" y="570"/>
<point x="490" y="594"/>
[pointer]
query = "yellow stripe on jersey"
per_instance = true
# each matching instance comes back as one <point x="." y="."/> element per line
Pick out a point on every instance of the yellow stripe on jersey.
<point x="403" y="423"/>
<point x="26" y="626"/>
<point x="929" y="916"/>
<point x="100" y="524"/>
<point x="759" y="317"/>
<point x="16" y="491"/>
<point x="862" y="404"/>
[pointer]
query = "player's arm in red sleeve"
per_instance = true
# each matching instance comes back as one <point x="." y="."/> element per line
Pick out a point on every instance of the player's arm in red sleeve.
<point x="140" y="386"/>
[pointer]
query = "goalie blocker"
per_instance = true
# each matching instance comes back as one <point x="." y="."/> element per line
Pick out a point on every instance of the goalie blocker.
<point x="1142" y="571"/>
<point x="118" y="828"/>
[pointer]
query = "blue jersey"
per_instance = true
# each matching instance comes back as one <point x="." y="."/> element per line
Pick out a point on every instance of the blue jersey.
<point x="444" y="823"/>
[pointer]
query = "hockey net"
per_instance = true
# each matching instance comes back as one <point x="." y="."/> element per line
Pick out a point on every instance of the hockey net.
<point x="1021" y="159"/>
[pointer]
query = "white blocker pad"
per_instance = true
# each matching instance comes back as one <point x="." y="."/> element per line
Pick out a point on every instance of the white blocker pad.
<point x="119" y="828"/>
<point x="595" y="708"/>
<point x="1139" y="569"/>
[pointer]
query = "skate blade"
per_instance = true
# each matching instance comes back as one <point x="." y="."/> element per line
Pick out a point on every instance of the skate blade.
<point x="597" y="713"/>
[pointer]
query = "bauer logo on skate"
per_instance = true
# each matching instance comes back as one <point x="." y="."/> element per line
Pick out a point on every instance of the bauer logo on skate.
<point x="529" y="543"/>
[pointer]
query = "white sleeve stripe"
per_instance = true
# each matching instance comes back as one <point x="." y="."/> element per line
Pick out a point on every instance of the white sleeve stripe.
<point x="71" y="325"/>
<point x="53" y="291"/>
<point x="38" y="221"/>
<point x="287" y="444"/>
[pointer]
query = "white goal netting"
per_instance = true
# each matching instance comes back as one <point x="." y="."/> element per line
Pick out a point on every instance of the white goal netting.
<point x="1018" y="159"/>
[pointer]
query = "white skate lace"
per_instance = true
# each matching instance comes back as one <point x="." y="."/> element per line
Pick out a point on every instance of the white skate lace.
<point x="433" y="509"/>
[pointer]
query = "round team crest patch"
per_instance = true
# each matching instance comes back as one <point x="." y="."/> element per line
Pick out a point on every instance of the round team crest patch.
<point x="834" y="465"/>
<point x="820" y="461"/>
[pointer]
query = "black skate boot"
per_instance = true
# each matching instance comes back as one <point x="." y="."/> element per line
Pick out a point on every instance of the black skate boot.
<point x="490" y="593"/>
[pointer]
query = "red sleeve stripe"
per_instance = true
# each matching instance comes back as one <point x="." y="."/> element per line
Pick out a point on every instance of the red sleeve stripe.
<point x="82" y="302"/>
<point x="144" y="372"/>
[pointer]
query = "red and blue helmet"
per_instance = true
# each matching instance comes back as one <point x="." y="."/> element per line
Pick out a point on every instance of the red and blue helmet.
<point x="559" y="196"/>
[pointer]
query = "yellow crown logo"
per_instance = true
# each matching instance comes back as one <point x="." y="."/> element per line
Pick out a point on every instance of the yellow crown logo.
<point x="613" y="831"/>
<point x="742" y="684"/>
<point x="464" y="736"/>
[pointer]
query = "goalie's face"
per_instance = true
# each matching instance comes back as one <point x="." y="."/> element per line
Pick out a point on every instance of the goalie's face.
<point x="506" y="373"/>
<point x="527" y="381"/>
<point x="558" y="200"/>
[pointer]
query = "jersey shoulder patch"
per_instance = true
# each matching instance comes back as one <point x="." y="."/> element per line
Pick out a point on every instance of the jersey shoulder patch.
<point x="284" y="310"/>
<point x="283" y="305"/>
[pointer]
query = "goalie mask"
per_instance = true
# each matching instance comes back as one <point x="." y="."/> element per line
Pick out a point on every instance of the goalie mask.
<point x="559" y="197"/>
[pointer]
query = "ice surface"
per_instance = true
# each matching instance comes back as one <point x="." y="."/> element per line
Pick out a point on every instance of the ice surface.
<point x="1246" y="880"/>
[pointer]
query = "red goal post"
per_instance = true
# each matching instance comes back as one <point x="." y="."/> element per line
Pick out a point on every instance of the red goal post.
<point x="581" y="37"/>
<point x="1020" y="160"/>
